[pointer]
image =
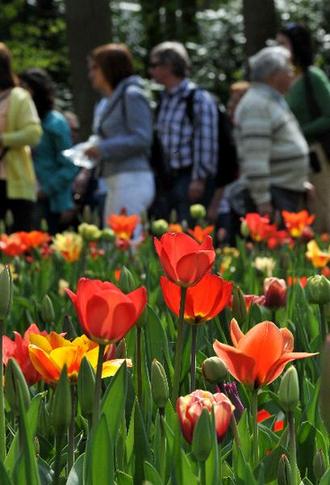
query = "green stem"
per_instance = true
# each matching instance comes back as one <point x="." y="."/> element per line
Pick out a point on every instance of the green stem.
<point x="57" y="463"/>
<point x="292" y="448"/>
<point x="203" y="473"/>
<point x="71" y="429"/>
<point x="179" y="348"/>
<point x="193" y="358"/>
<point x="323" y="323"/>
<point x="139" y="363"/>
<point x="254" y="411"/>
<point x="2" y="401"/>
<point x="220" y="470"/>
<point x="98" y="383"/>
<point x="162" y="455"/>
<point x="234" y="429"/>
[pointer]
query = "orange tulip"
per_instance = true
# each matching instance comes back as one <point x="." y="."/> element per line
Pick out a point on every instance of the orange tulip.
<point x="199" y="233"/>
<point x="122" y="225"/>
<point x="49" y="354"/>
<point x="104" y="311"/>
<point x="259" y="357"/>
<point x="297" y="222"/>
<point x="184" y="260"/>
<point x="175" y="228"/>
<point x="259" y="227"/>
<point x="190" y="407"/>
<point x="203" y="301"/>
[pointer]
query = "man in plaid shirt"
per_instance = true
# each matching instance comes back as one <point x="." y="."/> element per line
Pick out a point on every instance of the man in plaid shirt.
<point x="189" y="143"/>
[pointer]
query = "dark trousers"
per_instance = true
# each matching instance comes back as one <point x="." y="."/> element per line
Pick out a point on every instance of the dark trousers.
<point x="21" y="209"/>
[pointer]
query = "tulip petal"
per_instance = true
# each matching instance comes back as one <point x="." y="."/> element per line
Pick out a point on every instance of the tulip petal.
<point x="124" y="317"/>
<point x="68" y="356"/>
<point x="40" y="341"/>
<point x="288" y="340"/>
<point x="222" y="412"/>
<point x="235" y="332"/>
<point x="192" y="267"/>
<point x="110" y="367"/>
<point x="41" y="361"/>
<point x="278" y="366"/>
<point x="240" y="366"/>
<point x="171" y="294"/>
<point x="139" y="299"/>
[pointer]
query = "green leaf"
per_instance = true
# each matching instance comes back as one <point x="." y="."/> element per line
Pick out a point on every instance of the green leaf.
<point x="152" y="475"/>
<point x="5" y="479"/>
<point x="76" y="474"/>
<point x="113" y="402"/>
<point x="325" y="479"/>
<point x="123" y="478"/>
<point x="99" y="456"/>
<point x="142" y="449"/>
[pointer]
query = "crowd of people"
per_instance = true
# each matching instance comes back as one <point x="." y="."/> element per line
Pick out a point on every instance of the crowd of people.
<point x="270" y="150"/>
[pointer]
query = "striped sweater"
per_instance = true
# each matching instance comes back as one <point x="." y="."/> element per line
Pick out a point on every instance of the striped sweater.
<point x="271" y="148"/>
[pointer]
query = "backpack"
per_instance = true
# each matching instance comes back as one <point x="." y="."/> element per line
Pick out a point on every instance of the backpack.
<point x="227" y="167"/>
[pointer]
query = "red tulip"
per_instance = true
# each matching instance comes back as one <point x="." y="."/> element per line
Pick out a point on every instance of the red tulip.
<point x="184" y="260"/>
<point x="190" y="407"/>
<point x="263" y="414"/>
<point x="259" y="357"/>
<point x="104" y="311"/>
<point x="203" y="301"/>
<point x="275" y="291"/>
<point x="18" y="349"/>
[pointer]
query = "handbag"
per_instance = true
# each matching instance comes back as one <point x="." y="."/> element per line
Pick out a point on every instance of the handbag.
<point x="315" y="111"/>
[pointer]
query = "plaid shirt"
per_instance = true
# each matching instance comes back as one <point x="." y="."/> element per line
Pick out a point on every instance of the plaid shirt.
<point x="185" y="144"/>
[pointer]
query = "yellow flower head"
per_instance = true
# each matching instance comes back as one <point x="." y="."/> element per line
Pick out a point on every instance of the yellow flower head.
<point x="69" y="245"/>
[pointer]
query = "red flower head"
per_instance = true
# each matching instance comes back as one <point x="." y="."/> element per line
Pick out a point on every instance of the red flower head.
<point x="259" y="357"/>
<point x="297" y="222"/>
<point x="275" y="291"/>
<point x="104" y="311"/>
<point x="190" y="407"/>
<point x="199" y="233"/>
<point x="253" y="299"/>
<point x="203" y="301"/>
<point x="184" y="260"/>
<point x="122" y="225"/>
<point x="293" y="280"/>
<point x="258" y="226"/>
<point x="18" y="349"/>
<point x="13" y="245"/>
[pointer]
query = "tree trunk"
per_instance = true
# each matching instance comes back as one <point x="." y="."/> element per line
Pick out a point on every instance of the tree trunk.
<point x="260" y="23"/>
<point x="88" y="25"/>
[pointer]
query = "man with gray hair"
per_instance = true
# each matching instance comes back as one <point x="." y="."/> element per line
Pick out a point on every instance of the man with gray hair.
<point x="273" y="154"/>
<point x="187" y="129"/>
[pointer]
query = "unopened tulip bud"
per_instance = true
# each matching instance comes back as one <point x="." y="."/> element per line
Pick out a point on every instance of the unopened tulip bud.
<point x="197" y="211"/>
<point x="47" y="310"/>
<point x="62" y="404"/>
<point x="6" y="293"/>
<point x="9" y="218"/>
<point x="239" y="306"/>
<point x="159" y="384"/>
<point x="324" y="398"/>
<point x="2" y="226"/>
<point x="214" y="370"/>
<point x="108" y="234"/>
<point x="44" y="225"/>
<point x="16" y="386"/>
<point x="275" y="291"/>
<point x="284" y="471"/>
<point x="86" y="387"/>
<point x="159" y="227"/>
<point x="89" y="232"/>
<point x="202" y="438"/>
<point x="288" y="392"/>
<point x="318" y="289"/>
<point x="319" y="464"/>
<point x="126" y="280"/>
<point x="245" y="231"/>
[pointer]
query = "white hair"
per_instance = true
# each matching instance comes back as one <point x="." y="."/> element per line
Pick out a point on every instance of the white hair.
<point x="268" y="61"/>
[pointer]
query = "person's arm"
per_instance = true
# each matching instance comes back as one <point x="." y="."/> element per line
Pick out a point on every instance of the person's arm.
<point x="321" y="91"/>
<point x="66" y="170"/>
<point x="254" y="145"/>
<point x="205" y="149"/>
<point x="28" y="130"/>
<point x="139" y="135"/>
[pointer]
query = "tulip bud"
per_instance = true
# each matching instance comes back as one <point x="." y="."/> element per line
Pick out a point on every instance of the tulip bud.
<point x="288" y="392"/>
<point x="47" y="310"/>
<point x="197" y="211"/>
<point x="159" y="227"/>
<point x="202" y="439"/>
<point x="159" y="384"/>
<point x="245" y="231"/>
<point x="319" y="465"/>
<point x="6" y="293"/>
<point x="108" y="234"/>
<point x="15" y="385"/>
<point x="87" y="214"/>
<point x="9" y="218"/>
<point x="44" y="225"/>
<point x="239" y="306"/>
<point x="126" y="280"/>
<point x="318" y="289"/>
<point x="275" y="291"/>
<point x="86" y="387"/>
<point x="62" y="404"/>
<point x="325" y="384"/>
<point x="284" y="471"/>
<point x="2" y="226"/>
<point x="89" y="232"/>
<point x="214" y="370"/>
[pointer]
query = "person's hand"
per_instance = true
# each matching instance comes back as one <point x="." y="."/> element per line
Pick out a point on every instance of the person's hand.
<point x="93" y="152"/>
<point x="265" y="209"/>
<point x="196" y="190"/>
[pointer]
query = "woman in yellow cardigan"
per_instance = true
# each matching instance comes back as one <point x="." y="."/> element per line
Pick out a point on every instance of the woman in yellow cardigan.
<point x="19" y="129"/>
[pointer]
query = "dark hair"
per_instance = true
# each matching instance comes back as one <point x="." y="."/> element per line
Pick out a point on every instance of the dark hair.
<point x="7" y="76"/>
<point x="174" y="54"/>
<point x="42" y="89"/>
<point x="115" y="62"/>
<point x="301" y="43"/>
